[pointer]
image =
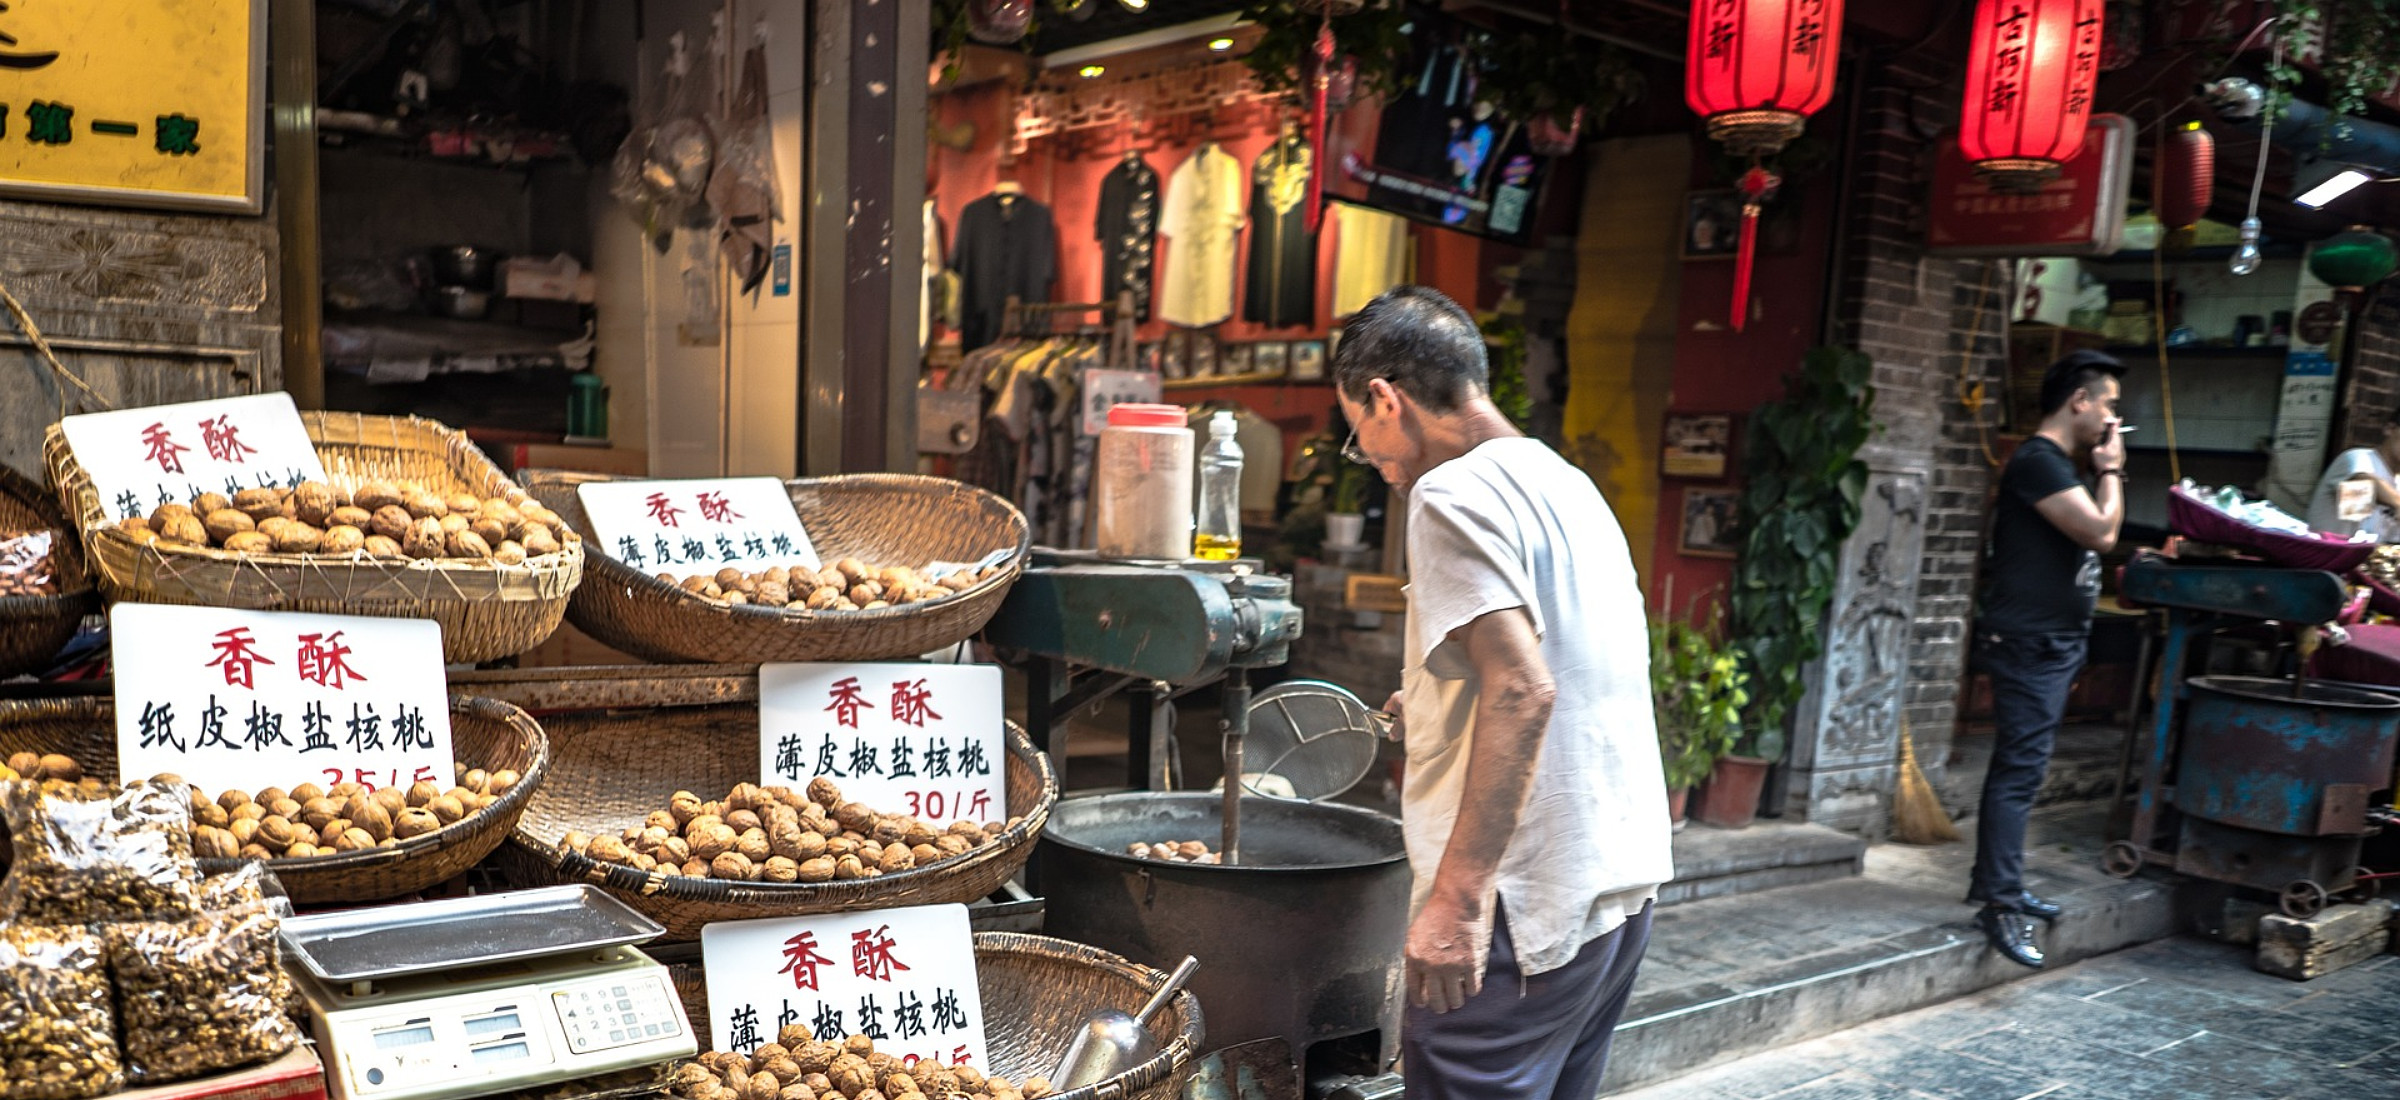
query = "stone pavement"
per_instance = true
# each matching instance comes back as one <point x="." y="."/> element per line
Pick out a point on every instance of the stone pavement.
<point x="2178" y="1019"/>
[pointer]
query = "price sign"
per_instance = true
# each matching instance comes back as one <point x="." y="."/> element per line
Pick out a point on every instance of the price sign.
<point x="698" y="526"/>
<point x="232" y="699"/>
<point x="1105" y="389"/>
<point x="902" y="977"/>
<point x="141" y="458"/>
<point x="922" y="740"/>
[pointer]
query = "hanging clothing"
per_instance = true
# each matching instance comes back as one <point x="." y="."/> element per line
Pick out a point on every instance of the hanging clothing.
<point x="1204" y="219"/>
<point x="928" y="306"/>
<point x="1007" y="245"/>
<point x="1372" y="254"/>
<point x="1127" y="229"/>
<point x="1283" y="253"/>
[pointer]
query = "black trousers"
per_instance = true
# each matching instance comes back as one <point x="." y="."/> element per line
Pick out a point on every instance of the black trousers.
<point x="2030" y="674"/>
<point x="1543" y="1037"/>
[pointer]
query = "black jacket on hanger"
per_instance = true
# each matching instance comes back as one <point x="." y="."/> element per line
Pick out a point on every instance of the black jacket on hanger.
<point x="1127" y="229"/>
<point x="1006" y="244"/>
<point x="1283" y="253"/>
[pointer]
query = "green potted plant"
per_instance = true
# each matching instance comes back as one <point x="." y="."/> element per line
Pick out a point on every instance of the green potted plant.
<point x="1802" y="481"/>
<point x="1698" y="689"/>
<point x="1345" y="518"/>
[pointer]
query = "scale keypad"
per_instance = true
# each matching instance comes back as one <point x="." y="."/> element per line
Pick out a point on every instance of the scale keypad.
<point x="616" y="1012"/>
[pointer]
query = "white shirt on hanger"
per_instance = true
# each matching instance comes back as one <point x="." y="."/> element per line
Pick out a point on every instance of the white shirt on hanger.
<point x="1203" y="217"/>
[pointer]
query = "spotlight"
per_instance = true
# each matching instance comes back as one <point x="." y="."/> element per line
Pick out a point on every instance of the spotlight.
<point x="1136" y="6"/>
<point x="1220" y="45"/>
<point x="1090" y="71"/>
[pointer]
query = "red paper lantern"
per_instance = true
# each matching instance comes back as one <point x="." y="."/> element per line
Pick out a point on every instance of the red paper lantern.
<point x="2183" y="176"/>
<point x="1756" y="69"/>
<point x="2030" y="73"/>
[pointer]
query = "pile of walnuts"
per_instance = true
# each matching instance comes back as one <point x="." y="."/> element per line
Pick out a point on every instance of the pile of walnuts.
<point x="801" y="1068"/>
<point x="307" y="820"/>
<point x="1174" y="851"/>
<point x="776" y="834"/>
<point x="26" y="567"/>
<point x="380" y="519"/>
<point x="2384" y="565"/>
<point x="846" y="585"/>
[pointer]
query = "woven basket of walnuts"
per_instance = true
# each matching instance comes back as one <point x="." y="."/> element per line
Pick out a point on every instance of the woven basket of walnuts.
<point x="877" y="533"/>
<point x="44" y="589"/>
<point x="326" y="843"/>
<point x="782" y="835"/>
<point x="412" y="521"/>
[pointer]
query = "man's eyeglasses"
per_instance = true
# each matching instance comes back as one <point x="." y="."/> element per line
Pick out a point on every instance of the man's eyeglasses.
<point x="1350" y="450"/>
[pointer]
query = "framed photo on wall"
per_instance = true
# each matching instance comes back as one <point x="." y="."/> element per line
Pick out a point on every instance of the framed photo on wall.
<point x="1172" y="361"/>
<point x="1270" y="358"/>
<point x="1234" y="361"/>
<point x="1204" y="355"/>
<point x="1308" y="361"/>
<point x="1712" y="226"/>
<point x="1708" y="519"/>
<point x="1696" y="445"/>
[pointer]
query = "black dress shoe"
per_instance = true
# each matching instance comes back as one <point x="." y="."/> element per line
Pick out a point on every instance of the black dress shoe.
<point x="2011" y="933"/>
<point x="2039" y="907"/>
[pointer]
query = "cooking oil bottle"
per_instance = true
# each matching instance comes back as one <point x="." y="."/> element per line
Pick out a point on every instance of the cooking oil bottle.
<point x="1219" y="533"/>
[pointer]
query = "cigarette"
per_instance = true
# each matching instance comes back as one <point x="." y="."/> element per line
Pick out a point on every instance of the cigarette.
<point x="2126" y="429"/>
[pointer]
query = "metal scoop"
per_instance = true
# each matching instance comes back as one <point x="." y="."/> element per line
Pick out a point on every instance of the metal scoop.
<point x="1112" y="1042"/>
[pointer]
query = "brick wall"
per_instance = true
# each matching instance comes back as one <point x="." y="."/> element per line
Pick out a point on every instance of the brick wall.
<point x="2372" y="390"/>
<point x="1913" y="314"/>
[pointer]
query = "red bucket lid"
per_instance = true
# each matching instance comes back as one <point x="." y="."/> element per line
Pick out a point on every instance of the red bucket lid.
<point x="1137" y="415"/>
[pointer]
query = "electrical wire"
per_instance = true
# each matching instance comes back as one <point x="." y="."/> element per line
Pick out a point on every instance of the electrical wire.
<point x="2166" y="388"/>
<point x="1972" y="394"/>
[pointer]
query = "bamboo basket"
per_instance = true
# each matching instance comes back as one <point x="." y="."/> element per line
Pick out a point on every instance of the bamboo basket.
<point x="487" y="610"/>
<point x="1037" y="992"/>
<point x="484" y="733"/>
<point x="34" y="628"/>
<point x="882" y="519"/>
<point x="612" y="768"/>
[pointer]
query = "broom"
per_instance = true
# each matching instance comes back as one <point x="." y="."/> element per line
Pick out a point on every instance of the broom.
<point x="1917" y="814"/>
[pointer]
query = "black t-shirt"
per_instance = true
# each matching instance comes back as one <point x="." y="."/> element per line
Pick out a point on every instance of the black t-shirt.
<point x="2036" y="580"/>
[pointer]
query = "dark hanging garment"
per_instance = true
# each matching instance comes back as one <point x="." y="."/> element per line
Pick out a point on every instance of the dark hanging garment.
<point x="1006" y="244"/>
<point x="1283" y="253"/>
<point x="1127" y="229"/>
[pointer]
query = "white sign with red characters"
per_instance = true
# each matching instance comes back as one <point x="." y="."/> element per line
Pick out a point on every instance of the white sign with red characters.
<point x="917" y="739"/>
<point x="699" y="526"/>
<point x="238" y="700"/>
<point x="902" y="977"/>
<point x="139" y="459"/>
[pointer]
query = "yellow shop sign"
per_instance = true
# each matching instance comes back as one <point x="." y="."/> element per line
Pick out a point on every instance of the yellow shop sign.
<point x="134" y="102"/>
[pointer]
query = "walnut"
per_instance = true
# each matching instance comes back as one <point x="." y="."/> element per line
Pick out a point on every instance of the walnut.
<point x="313" y="502"/>
<point x="342" y="539"/>
<point x="354" y="839"/>
<point x="752" y="843"/>
<point x="274" y="832"/>
<point x="508" y="552"/>
<point x="683" y="806"/>
<point x="376" y="495"/>
<point x="210" y="842"/>
<point x="391" y="521"/>
<point x="714" y="841"/>
<point x="852" y="815"/>
<point x="925" y="853"/>
<point x="734" y="866"/>
<point x="464" y="504"/>
<point x="424" y="505"/>
<point x="608" y="849"/>
<point x="744" y="820"/>
<point x="537" y="540"/>
<point x="259" y="503"/>
<point x="380" y="547"/>
<point x="467" y="544"/>
<point x="890" y="828"/>
<point x="224" y="523"/>
<point x="896" y="858"/>
<point x="849" y="867"/>
<point x="185" y="528"/>
<point x="820" y="869"/>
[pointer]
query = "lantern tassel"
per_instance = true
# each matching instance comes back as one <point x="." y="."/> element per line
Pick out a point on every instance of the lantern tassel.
<point x="1316" y="121"/>
<point x="1756" y="185"/>
<point x="1741" y="265"/>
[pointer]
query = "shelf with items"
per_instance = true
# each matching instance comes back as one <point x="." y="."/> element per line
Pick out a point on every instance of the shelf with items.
<point x="2130" y="352"/>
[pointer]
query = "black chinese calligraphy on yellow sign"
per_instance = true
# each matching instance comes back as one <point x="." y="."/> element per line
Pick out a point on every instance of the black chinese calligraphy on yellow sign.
<point x="134" y="102"/>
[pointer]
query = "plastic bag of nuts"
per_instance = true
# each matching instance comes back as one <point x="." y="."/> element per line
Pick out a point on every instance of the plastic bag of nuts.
<point x="204" y="994"/>
<point x="57" y="1040"/>
<point x="79" y="858"/>
<point x="25" y="565"/>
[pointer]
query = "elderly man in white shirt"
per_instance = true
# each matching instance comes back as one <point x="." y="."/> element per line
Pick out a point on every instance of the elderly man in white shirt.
<point x="1534" y="803"/>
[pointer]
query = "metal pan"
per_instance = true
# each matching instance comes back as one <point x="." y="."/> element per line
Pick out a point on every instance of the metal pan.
<point x="387" y="941"/>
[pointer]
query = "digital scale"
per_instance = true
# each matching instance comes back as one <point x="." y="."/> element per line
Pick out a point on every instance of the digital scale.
<point x="449" y="999"/>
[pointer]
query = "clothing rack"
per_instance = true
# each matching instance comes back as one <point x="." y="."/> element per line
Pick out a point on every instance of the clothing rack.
<point x="1116" y="319"/>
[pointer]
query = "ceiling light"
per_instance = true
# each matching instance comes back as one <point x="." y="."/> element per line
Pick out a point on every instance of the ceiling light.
<point x="1135" y="5"/>
<point x="1090" y="71"/>
<point x="2333" y="187"/>
<point x="1220" y="45"/>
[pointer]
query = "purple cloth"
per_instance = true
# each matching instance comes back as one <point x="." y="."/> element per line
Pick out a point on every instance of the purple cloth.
<point x="1543" y="1037"/>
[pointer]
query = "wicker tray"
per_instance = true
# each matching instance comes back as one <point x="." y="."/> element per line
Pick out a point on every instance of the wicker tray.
<point x="33" y="628"/>
<point x="485" y="732"/>
<point x="1036" y="993"/>
<point x="610" y="769"/>
<point x="882" y="519"/>
<point x="487" y="610"/>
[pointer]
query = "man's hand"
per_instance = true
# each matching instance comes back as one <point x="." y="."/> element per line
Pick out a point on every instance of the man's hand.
<point x="1448" y="944"/>
<point x="1398" y="729"/>
<point x="2109" y="454"/>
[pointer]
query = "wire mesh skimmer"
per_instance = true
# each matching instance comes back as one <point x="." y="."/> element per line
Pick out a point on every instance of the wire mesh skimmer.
<point x="1315" y="736"/>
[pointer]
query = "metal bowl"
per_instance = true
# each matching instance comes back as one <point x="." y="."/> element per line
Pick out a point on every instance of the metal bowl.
<point x="462" y="303"/>
<point x="465" y="265"/>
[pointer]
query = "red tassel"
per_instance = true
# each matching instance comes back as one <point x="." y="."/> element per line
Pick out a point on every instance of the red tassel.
<point x="1757" y="185"/>
<point x="1316" y="121"/>
<point x="1741" y="265"/>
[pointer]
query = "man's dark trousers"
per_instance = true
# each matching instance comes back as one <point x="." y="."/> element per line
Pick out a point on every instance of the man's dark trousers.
<point x="2030" y="676"/>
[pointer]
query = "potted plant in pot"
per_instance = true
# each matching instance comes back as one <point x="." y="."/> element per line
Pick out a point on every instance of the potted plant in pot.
<point x="1345" y="517"/>
<point x="1698" y="689"/>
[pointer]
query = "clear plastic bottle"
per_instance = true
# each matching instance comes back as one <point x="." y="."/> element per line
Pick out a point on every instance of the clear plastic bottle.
<point x="1219" y="537"/>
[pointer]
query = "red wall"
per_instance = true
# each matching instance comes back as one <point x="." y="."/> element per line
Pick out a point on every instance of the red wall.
<point x="1720" y="370"/>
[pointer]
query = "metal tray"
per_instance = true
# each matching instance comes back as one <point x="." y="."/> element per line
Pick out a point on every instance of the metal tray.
<point x="388" y="941"/>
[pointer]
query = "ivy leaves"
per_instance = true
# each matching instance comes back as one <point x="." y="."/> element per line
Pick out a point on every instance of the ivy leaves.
<point x="1803" y="488"/>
